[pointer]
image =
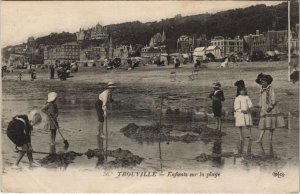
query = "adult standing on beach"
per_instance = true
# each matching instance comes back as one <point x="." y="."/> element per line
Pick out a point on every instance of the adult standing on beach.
<point x="101" y="106"/>
<point x="52" y="71"/>
<point x="270" y="116"/>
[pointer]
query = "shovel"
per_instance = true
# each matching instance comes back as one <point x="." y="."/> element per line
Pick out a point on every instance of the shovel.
<point x="65" y="141"/>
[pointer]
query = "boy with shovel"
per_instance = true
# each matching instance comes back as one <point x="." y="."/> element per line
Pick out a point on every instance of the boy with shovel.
<point x="51" y="110"/>
<point x="19" y="132"/>
<point x="101" y="106"/>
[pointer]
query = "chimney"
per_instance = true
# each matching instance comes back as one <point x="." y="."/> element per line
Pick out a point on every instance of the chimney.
<point x="257" y="32"/>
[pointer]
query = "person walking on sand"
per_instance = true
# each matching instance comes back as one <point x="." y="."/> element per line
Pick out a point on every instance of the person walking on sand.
<point x="242" y="113"/>
<point x="217" y="97"/>
<point x="270" y="116"/>
<point x="19" y="132"/>
<point x="51" y="110"/>
<point x="101" y="106"/>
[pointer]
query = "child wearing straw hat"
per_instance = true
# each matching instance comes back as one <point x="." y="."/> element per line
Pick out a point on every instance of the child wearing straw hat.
<point x="270" y="115"/>
<point x="19" y="132"/>
<point x="51" y="110"/>
<point x="242" y="114"/>
<point x="217" y="97"/>
<point x="101" y="106"/>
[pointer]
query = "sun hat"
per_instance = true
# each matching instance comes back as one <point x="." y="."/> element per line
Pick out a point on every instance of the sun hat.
<point x="110" y="85"/>
<point x="264" y="77"/>
<point x="52" y="96"/>
<point x="35" y="117"/>
<point x="216" y="84"/>
<point x="240" y="83"/>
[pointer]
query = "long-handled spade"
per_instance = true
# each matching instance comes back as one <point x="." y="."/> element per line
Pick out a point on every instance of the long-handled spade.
<point x="65" y="141"/>
<point x="106" y="133"/>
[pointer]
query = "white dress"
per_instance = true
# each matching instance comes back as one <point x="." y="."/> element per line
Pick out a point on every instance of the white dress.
<point x="242" y="103"/>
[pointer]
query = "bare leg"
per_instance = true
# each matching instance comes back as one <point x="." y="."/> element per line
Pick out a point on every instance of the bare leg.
<point x="220" y="123"/>
<point x="54" y="135"/>
<point x="241" y="133"/>
<point x="100" y="130"/>
<point x="217" y="123"/>
<point x="250" y="134"/>
<point x="271" y="134"/>
<point x="21" y="154"/>
<point x="261" y="136"/>
<point x="30" y="158"/>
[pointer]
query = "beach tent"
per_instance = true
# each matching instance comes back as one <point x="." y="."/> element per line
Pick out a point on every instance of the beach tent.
<point x="199" y="53"/>
<point x="177" y="56"/>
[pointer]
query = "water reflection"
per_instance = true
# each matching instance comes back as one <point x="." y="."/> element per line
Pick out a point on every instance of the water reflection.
<point x="52" y="149"/>
<point x="270" y="154"/>
<point x="160" y="155"/>
<point x="217" y="153"/>
<point x="102" y="157"/>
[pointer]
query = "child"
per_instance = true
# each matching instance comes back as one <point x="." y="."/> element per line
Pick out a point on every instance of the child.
<point x="217" y="97"/>
<point x="33" y="75"/>
<point x="51" y="110"/>
<point x="242" y="114"/>
<point x="19" y="132"/>
<point x="270" y="116"/>
<point x="239" y="85"/>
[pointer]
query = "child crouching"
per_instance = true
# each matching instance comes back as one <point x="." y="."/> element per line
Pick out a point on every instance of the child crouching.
<point x="19" y="132"/>
<point x="242" y="114"/>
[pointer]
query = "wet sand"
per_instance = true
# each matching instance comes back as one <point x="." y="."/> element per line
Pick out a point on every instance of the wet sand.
<point x="137" y="100"/>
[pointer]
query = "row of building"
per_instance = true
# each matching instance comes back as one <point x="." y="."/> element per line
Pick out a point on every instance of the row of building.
<point x="219" y="46"/>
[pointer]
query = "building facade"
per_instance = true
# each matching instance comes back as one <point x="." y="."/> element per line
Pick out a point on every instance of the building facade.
<point x="185" y="44"/>
<point x="228" y="46"/>
<point x="149" y="52"/>
<point x="68" y="52"/>
<point x="295" y="46"/>
<point x="97" y="32"/>
<point x="277" y="40"/>
<point x="94" y="53"/>
<point x="255" y="42"/>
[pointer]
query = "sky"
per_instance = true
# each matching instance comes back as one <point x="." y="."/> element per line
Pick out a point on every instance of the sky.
<point x="20" y="20"/>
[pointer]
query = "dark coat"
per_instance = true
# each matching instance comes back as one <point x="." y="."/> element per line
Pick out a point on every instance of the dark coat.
<point x="19" y="130"/>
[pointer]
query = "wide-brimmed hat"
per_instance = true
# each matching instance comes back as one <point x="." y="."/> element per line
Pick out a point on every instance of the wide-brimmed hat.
<point x="110" y="85"/>
<point x="240" y="84"/>
<point x="216" y="84"/>
<point x="264" y="77"/>
<point x="52" y="96"/>
<point x="35" y="117"/>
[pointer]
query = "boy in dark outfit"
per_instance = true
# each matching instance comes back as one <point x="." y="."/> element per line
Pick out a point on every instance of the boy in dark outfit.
<point x="19" y="132"/>
<point x="217" y="97"/>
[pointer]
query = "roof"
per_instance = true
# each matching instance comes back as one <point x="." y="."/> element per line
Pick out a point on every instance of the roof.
<point x="199" y="49"/>
<point x="212" y="48"/>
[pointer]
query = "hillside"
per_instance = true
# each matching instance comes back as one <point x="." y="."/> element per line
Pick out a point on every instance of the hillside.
<point x="226" y="23"/>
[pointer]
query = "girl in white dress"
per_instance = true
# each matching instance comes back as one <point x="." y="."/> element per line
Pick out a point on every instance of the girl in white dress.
<point x="242" y="114"/>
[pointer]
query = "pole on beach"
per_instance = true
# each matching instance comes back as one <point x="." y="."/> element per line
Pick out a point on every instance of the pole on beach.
<point x="106" y="133"/>
<point x="289" y="40"/>
<point x="159" y="128"/>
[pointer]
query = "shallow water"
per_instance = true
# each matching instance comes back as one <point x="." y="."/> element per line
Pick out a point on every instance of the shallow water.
<point x="78" y="123"/>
